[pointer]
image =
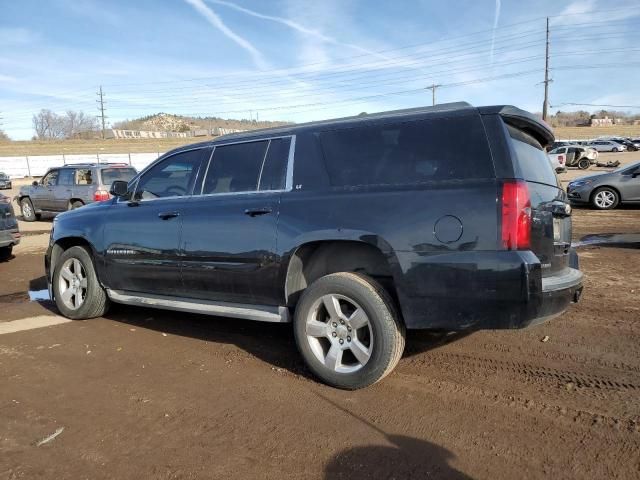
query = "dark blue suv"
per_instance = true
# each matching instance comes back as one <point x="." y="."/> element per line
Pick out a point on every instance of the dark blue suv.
<point x="353" y="229"/>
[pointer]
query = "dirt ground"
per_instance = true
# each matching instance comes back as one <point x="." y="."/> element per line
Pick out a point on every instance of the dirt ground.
<point x="150" y="394"/>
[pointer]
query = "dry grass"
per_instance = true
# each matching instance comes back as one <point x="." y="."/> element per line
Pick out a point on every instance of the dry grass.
<point x="22" y="148"/>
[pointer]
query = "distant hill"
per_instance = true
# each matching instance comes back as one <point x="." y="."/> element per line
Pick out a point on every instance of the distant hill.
<point x="166" y="122"/>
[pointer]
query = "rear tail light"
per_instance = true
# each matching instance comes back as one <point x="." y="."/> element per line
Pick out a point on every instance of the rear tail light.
<point x="561" y="159"/>
<point x="516" y="215"/>
<point x="101" y="195"/>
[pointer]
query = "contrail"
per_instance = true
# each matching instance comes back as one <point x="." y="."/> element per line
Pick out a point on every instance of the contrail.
<point x="217" y="22"/>
<point x="496" y="18"/>
<point x="298" y="27"/>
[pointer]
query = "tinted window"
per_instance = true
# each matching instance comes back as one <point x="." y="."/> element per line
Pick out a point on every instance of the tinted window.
<point x="172" y="177"/>
<point x="235" y="168"/>
<point x="274" y="171"/>
<point x="50" y="179"/>
<point x="84" y="176"/>
<point x="410" y="152"/>
<point x="533" y="162"/>
<point x="66" y="176"/>
<point x="110" y="175"/>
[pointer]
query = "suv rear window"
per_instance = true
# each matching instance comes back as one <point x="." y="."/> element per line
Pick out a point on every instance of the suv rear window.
<point x="407" y="153"/>
<point x="533" y="162"/>
<point x="110" y="175"/>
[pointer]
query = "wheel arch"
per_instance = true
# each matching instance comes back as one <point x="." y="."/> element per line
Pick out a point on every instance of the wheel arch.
<point x="63" y="244"/>
<point x="314" y="259"/>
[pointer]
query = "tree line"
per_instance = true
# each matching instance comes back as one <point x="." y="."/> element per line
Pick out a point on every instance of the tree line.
<point x="49" y="125"/>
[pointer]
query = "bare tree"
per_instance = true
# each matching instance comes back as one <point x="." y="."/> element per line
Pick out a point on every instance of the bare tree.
<point x="3" y="136"/>
<point x="49" y="126"/>
<point x="78" y="122"/>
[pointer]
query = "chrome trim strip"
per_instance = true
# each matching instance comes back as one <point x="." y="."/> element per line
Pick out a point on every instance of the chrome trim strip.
<point x="261" y="313"/>
<point x="288" y="186"/>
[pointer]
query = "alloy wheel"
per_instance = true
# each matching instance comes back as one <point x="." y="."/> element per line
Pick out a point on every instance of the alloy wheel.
<point x="339" y="333"/>
<point x="72" y="283"/>
<point x="605" y="199"/>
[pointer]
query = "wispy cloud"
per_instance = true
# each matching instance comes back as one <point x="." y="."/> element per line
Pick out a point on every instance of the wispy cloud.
<point x="17" y="36"/>
<point x="217" y="22"/>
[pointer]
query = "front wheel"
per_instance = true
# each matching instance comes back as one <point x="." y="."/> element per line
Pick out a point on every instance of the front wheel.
<point x="615" y="149"/>
<point x="605" y="199"/>
<point x="28" y="213"/>
<point x="348" y="330"/>
<point x="77" y="291"/>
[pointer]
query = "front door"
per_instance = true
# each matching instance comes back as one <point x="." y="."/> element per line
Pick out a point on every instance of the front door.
<point x="229" y="230"/>
<point x="629" y="185"/>
<point x="42" y="194"/>
<point x="142" y="232"/>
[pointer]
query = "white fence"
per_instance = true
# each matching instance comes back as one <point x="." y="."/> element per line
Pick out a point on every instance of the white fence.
<point x="36" y="166"/>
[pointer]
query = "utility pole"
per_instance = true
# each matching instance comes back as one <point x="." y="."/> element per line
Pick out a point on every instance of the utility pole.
<point x="101" y="108"/>
<point x="545" y="104"/>
<point x="433" y="92"/>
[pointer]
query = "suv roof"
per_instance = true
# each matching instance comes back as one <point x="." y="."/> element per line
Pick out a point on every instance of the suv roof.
<point x="512" y="115"/>
<point x="101" y="164"/>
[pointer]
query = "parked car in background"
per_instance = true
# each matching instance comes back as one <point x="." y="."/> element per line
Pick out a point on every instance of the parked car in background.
<point x="5" y="181"/>
<point x="9" y="232"/>
<point x="636" y="142"/>
<point x="558" y="161"/>
<point x="607" y="146"/>
<point x="575" y="156"/>
<point x="627" y="143"/>
<point x="606" y="191"/>
<point x="447" y="217"/>
<point x="71" y="186"/>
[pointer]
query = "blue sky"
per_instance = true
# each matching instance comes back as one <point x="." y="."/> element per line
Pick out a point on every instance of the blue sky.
<point x="300" y="60"/>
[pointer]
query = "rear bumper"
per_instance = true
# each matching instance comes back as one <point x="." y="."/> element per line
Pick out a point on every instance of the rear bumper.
<point x="501" y="290"/>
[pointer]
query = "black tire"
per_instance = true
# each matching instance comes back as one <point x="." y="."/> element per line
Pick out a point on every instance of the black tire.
<point x="611" y="193"/>
<point x="5" y="252"/>
<point x="27" y="210"/>
<point x="75" y="204"/>
<point x="584" y="163"/>
<point x="384" y="326"/>
<point x="96" y="303"/>
<point x="615" y="149"/>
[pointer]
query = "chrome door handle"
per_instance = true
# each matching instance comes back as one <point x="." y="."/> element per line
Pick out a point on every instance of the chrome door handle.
<point x="168" y="215"/>
<point x="254" y="212"/>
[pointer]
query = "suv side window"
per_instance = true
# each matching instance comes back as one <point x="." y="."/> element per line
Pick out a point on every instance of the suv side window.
<point x="172" y="177"/>
<point x="235" y="168"/>
<point x="66" y="176"/>
<point x="84" y="176"/>
<point x="274" y="171"/>
<point x="50" y="179"/>
<point x="408" y="153"/>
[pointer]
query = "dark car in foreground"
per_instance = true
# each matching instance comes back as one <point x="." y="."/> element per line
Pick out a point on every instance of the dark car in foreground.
<point x="606" y="191"/>
<point x="5" y="181"/>
<point x="9" y="232"/>
<point x="356" y="229"/>
<point x="70" y="187"/>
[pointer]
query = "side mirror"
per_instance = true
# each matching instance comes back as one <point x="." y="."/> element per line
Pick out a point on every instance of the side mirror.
<point x="119" y="188"/>
<point x="35" y="183"/>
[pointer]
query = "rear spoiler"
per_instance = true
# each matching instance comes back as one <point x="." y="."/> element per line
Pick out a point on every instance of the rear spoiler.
<point x="523" y="120"/>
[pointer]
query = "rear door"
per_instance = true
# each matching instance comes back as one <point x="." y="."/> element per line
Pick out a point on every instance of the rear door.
<point x="550" y="209"/>
<point x="63" y="191"/>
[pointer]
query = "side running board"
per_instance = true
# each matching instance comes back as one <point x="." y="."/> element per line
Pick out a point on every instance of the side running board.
<point x="261" y="313"/>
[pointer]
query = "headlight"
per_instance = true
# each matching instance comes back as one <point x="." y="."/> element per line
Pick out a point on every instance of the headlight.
<point x="580" y="183"/>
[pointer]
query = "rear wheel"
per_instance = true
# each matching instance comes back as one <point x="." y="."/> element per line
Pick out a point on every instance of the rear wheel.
<point x="75" y="204"/>
<point x="584" y="163"/>
<point x="605" y="198"/>
<point x="28" y="213"/>
<point x="5" y="252"/>
<point x="348" y="330"/>
<point x="78" y="293"/>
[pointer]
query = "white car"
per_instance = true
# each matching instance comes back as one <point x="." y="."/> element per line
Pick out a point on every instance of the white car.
<point x="607" y="146"/>
<point x="558" y="161"/>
